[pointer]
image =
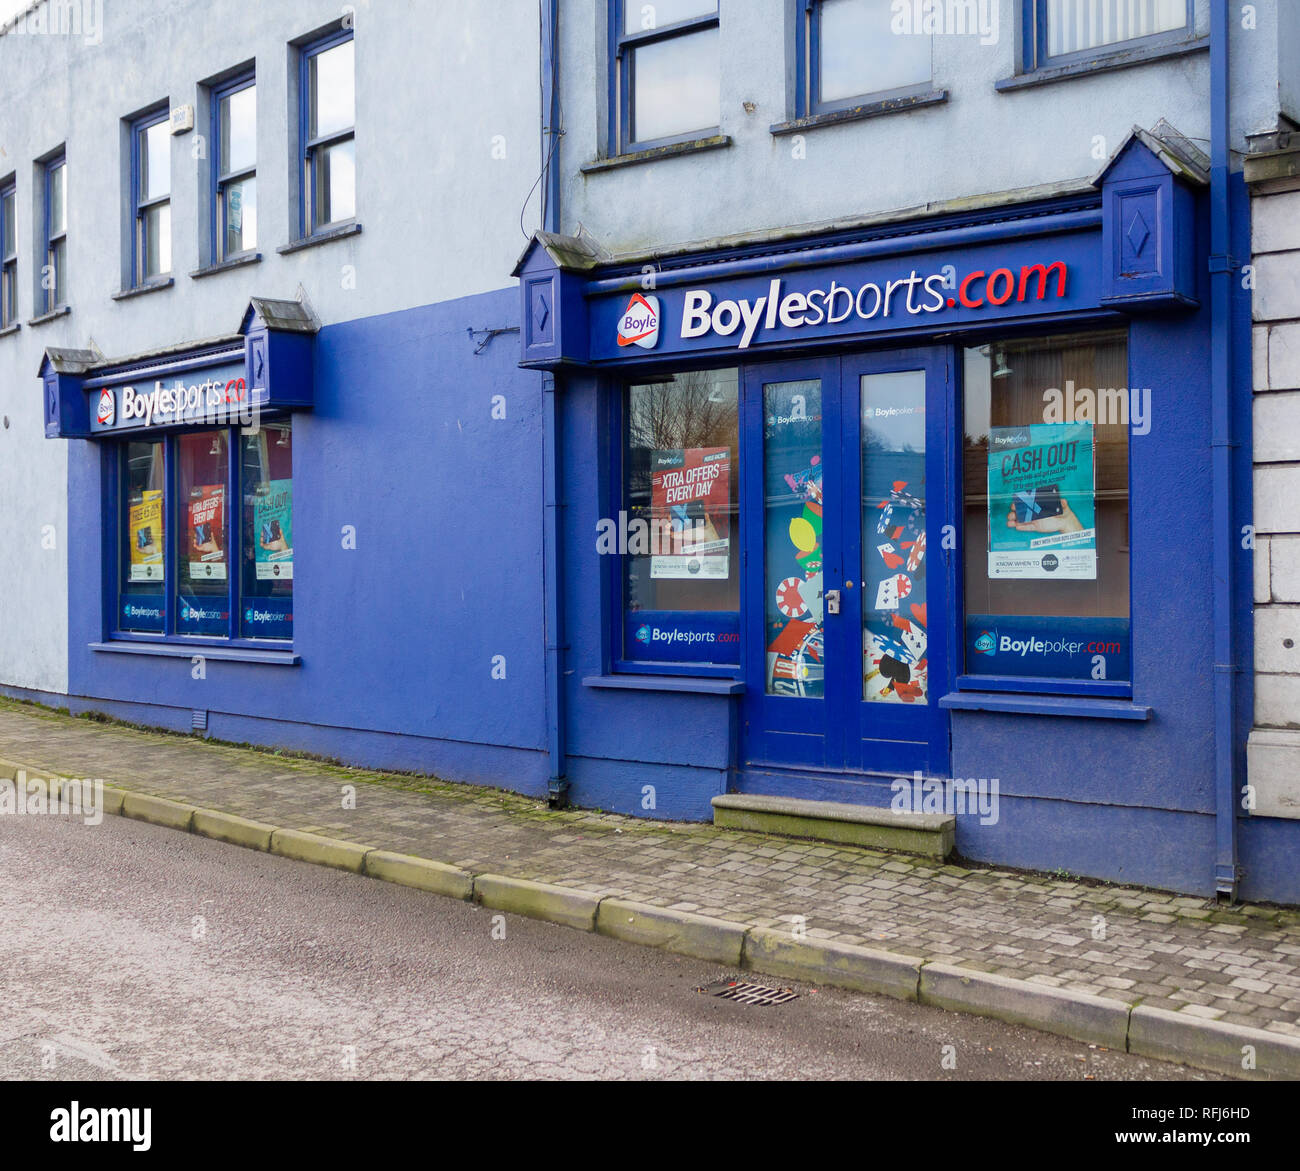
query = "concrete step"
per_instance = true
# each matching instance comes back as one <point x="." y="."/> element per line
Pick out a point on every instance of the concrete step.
<point x="930" y="835"/>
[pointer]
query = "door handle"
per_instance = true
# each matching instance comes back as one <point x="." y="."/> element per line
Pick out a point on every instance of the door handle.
<point x="832" y="601"/>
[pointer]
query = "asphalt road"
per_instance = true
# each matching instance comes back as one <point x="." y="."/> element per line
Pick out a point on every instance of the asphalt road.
<point x="129" y="951"/>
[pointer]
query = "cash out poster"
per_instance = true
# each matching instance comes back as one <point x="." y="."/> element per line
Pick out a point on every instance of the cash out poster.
<point x="1042" y="502"/>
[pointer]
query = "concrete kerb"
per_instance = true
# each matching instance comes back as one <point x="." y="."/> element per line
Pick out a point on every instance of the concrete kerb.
<point x="1077" y="1015"/>
<point x="1143" y="1031"/>
<point x="1215" y="1045"/>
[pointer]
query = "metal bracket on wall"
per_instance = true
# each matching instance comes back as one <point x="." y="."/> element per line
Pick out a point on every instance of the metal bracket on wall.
<point x="485" y="336"/>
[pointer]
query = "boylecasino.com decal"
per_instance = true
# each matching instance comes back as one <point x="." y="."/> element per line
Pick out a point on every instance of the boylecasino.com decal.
<point x="909" y="295"/>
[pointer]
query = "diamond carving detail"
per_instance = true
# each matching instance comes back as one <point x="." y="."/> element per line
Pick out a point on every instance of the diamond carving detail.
<point x="1138" y="233"/>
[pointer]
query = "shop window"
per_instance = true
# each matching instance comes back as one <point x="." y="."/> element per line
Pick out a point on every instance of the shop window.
<point x="666" y="72"/>
<point x="54" y="267"/>
<point x="234" y="190"/>
<point x="151" y="191"/>
<point x="329" y="176"/>
<point x="143" y="574"/>
<point x="678" y="529"/>
<point x="1065" y="31"/>
<point x="266" y="476"/>
<point x="8" y="254"/>
<point x="850" y="54"/>
<point x="1046" y="537"/>
<point x="224" y="538"/>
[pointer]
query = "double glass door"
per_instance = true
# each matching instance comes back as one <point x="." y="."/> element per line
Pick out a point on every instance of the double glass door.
<point x="849" y="567"/>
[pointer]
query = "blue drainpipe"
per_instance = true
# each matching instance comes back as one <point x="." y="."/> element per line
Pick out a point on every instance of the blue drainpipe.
<point x="552" y="474"/>
<point x="1221" y="389"/>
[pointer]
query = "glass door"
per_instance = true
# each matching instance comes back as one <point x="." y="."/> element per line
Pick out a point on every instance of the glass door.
<point x="847" y="583"/>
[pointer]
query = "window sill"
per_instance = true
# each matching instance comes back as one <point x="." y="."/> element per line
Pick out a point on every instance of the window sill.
<point x="1045" y="705"/>
<point x="52" y="315"/>
<point x="859" y="113"/>
<point x="240" y="261"/>
<point x="697" y="685"/>
<point x="1105" y="63"/>
<point x="170" y="650"/>
<point x="1046" y="685"/>
<point x="672" y="150"/>
<point x="9" y="330"/>
<point x="144" y="289"/>
<point x="328" y="236"/>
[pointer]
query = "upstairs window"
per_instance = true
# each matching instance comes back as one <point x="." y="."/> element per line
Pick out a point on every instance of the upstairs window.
<point x="1066" y="30"/>
<point x="329" y="133"/>
<point x="666" y="72"/>
<point x="8" y="254"/>
<point x="851" y="54"/>
<point x="54" y="269"/>
<point x="234" y="129"/>
<point x="151" y="190"/>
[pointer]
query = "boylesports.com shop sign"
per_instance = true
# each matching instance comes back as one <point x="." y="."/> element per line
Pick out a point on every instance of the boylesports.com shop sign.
<point x="765" y="317"/>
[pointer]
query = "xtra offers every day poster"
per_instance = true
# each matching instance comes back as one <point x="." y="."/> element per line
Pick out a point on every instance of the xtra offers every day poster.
<point x="146" y="522"/>
<point x="690" y="506"/>
<point x="273" y="530"/>
<point x="1042" y="503"/>
<point x="207" y="529"/>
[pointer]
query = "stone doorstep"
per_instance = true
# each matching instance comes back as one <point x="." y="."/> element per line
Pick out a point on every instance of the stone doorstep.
<point x="930" y="835"/>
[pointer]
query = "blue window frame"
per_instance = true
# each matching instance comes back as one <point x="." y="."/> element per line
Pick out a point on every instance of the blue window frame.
<point x="151" y="197"/>
<point x="234" y="169"/>
<point x="327" y="131"/>
<point x="8" y="253"/>
<point x="849" y="55"/>
<point x="664" y="73"/>
<point x="677" y="588"/>
<point x="1064" y="32"/>
<point x="54" y="264"/>
<point x="194" y="559"/>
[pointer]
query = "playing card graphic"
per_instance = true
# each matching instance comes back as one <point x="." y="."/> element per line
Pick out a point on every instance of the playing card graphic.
<point x="916" y="554"/>
<point x="891" y="556"/>
<point x="892" y="590"/>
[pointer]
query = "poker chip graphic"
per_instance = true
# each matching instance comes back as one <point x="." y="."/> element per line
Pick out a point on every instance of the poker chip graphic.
<point x="789" y="597"/>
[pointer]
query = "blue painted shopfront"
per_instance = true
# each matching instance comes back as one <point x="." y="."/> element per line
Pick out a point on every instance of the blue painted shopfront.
<point x="1104" y="769"/>
<point x="417" y="602"/>
<point x="453" y="613"/>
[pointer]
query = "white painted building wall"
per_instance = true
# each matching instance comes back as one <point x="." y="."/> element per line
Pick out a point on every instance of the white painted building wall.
<point x="979" y="141"/>
<point x="1273" y="750"/>
<point x="447" y="141"/>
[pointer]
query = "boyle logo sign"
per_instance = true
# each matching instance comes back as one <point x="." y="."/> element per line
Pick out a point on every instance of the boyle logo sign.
<point x="998" y="283"/>
<point x="106" y="415"/>
<point x="639" y="325"/>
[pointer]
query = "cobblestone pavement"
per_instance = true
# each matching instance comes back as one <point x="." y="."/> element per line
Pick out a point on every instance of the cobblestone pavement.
<point x="1240" y="965"/>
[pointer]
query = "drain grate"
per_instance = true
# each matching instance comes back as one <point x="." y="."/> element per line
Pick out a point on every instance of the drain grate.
<point x="745" y="993"/>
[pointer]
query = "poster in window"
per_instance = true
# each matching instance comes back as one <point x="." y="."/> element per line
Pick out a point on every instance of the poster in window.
<point x="207" y="532"/>
<point x="273" y="530"/>
<point x="1042" y="502"/>
<point x="690" y="509"/>
<point x="145" y="522"/>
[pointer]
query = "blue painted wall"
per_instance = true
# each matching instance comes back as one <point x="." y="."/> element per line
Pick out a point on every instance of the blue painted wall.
<point x="397" y="637"/>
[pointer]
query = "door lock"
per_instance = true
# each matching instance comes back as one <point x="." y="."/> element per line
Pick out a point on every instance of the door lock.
<point x="832" y="601"/>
